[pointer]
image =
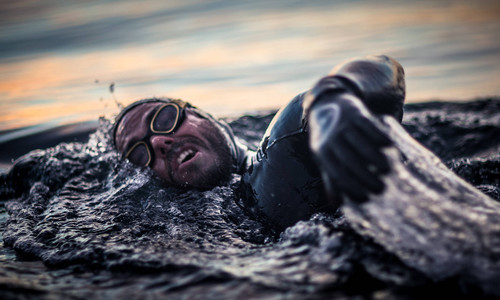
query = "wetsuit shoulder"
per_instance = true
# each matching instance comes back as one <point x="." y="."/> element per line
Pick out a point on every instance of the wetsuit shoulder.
<point x="283" y="182"/>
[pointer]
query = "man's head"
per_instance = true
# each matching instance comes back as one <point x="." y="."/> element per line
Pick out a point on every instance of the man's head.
<point x="183" y="145"/>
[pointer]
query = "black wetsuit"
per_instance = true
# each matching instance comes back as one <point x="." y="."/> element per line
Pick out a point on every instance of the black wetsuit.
<point x="283" y="182"/>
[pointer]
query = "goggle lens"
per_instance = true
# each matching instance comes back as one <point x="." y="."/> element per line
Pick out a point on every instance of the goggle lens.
<point x="165" y="119"/>
<point x="139" y="155"/>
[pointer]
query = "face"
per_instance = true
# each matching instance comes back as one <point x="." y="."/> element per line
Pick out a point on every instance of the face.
<point x="195" y="154"/>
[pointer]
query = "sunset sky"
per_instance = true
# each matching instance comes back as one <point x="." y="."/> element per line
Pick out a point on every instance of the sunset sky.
<point x="58" y="59"/>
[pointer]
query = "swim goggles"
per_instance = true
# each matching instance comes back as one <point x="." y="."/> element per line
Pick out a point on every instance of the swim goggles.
<point x="165" y="120"/>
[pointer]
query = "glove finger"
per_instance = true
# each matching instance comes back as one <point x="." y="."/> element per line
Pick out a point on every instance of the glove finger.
<point x="343" y="179"/>
<point x="358" y="168"/>
<point x="371" y="154"/>
<point x="370" y="129"/>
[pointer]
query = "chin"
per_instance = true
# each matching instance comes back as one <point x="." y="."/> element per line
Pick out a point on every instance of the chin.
<point x="217" y="174"/>
<point x="207" y="181"/>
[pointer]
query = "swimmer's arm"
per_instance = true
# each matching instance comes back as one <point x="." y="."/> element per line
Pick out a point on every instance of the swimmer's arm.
<point x="345" y="135"/>
<point x="347" y="143"/>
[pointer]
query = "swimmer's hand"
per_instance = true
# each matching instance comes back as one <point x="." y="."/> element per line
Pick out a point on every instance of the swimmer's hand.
<point x="347" y="144"/>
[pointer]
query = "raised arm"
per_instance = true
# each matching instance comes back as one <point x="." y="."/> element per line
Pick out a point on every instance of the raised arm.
<point x="345" y="133"/>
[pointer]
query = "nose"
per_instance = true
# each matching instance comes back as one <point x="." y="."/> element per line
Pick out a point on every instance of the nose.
<point x="161" y="145"/>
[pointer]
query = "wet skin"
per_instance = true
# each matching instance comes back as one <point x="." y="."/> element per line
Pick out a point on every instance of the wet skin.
<point x="194" y="155"/>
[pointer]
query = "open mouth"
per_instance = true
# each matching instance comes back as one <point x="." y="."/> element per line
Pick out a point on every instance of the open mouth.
<point x="185" y="156"/>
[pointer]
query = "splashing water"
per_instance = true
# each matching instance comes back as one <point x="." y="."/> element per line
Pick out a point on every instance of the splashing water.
<point x="83" y="211"/>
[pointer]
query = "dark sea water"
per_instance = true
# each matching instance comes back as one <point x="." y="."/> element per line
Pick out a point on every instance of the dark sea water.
<point x="85" y="224"/>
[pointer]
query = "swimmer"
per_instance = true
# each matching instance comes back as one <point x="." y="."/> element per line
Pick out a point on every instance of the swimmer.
<point x="337" y="146"/>
<point x="324" y="144"/>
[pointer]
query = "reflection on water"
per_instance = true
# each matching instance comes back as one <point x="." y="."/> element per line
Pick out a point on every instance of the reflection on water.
<point x="58" y="58"/>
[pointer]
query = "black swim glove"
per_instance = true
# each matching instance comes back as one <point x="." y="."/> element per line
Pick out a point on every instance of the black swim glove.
<point x="347" y="143"/>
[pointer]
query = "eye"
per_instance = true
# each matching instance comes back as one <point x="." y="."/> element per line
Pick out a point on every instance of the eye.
<point x="139" y="155"/>
<point x="166" y="119"/>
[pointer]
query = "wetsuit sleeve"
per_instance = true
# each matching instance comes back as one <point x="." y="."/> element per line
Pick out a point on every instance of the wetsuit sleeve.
<point x="378" y="81"/>
<point x="346" y="137"/>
